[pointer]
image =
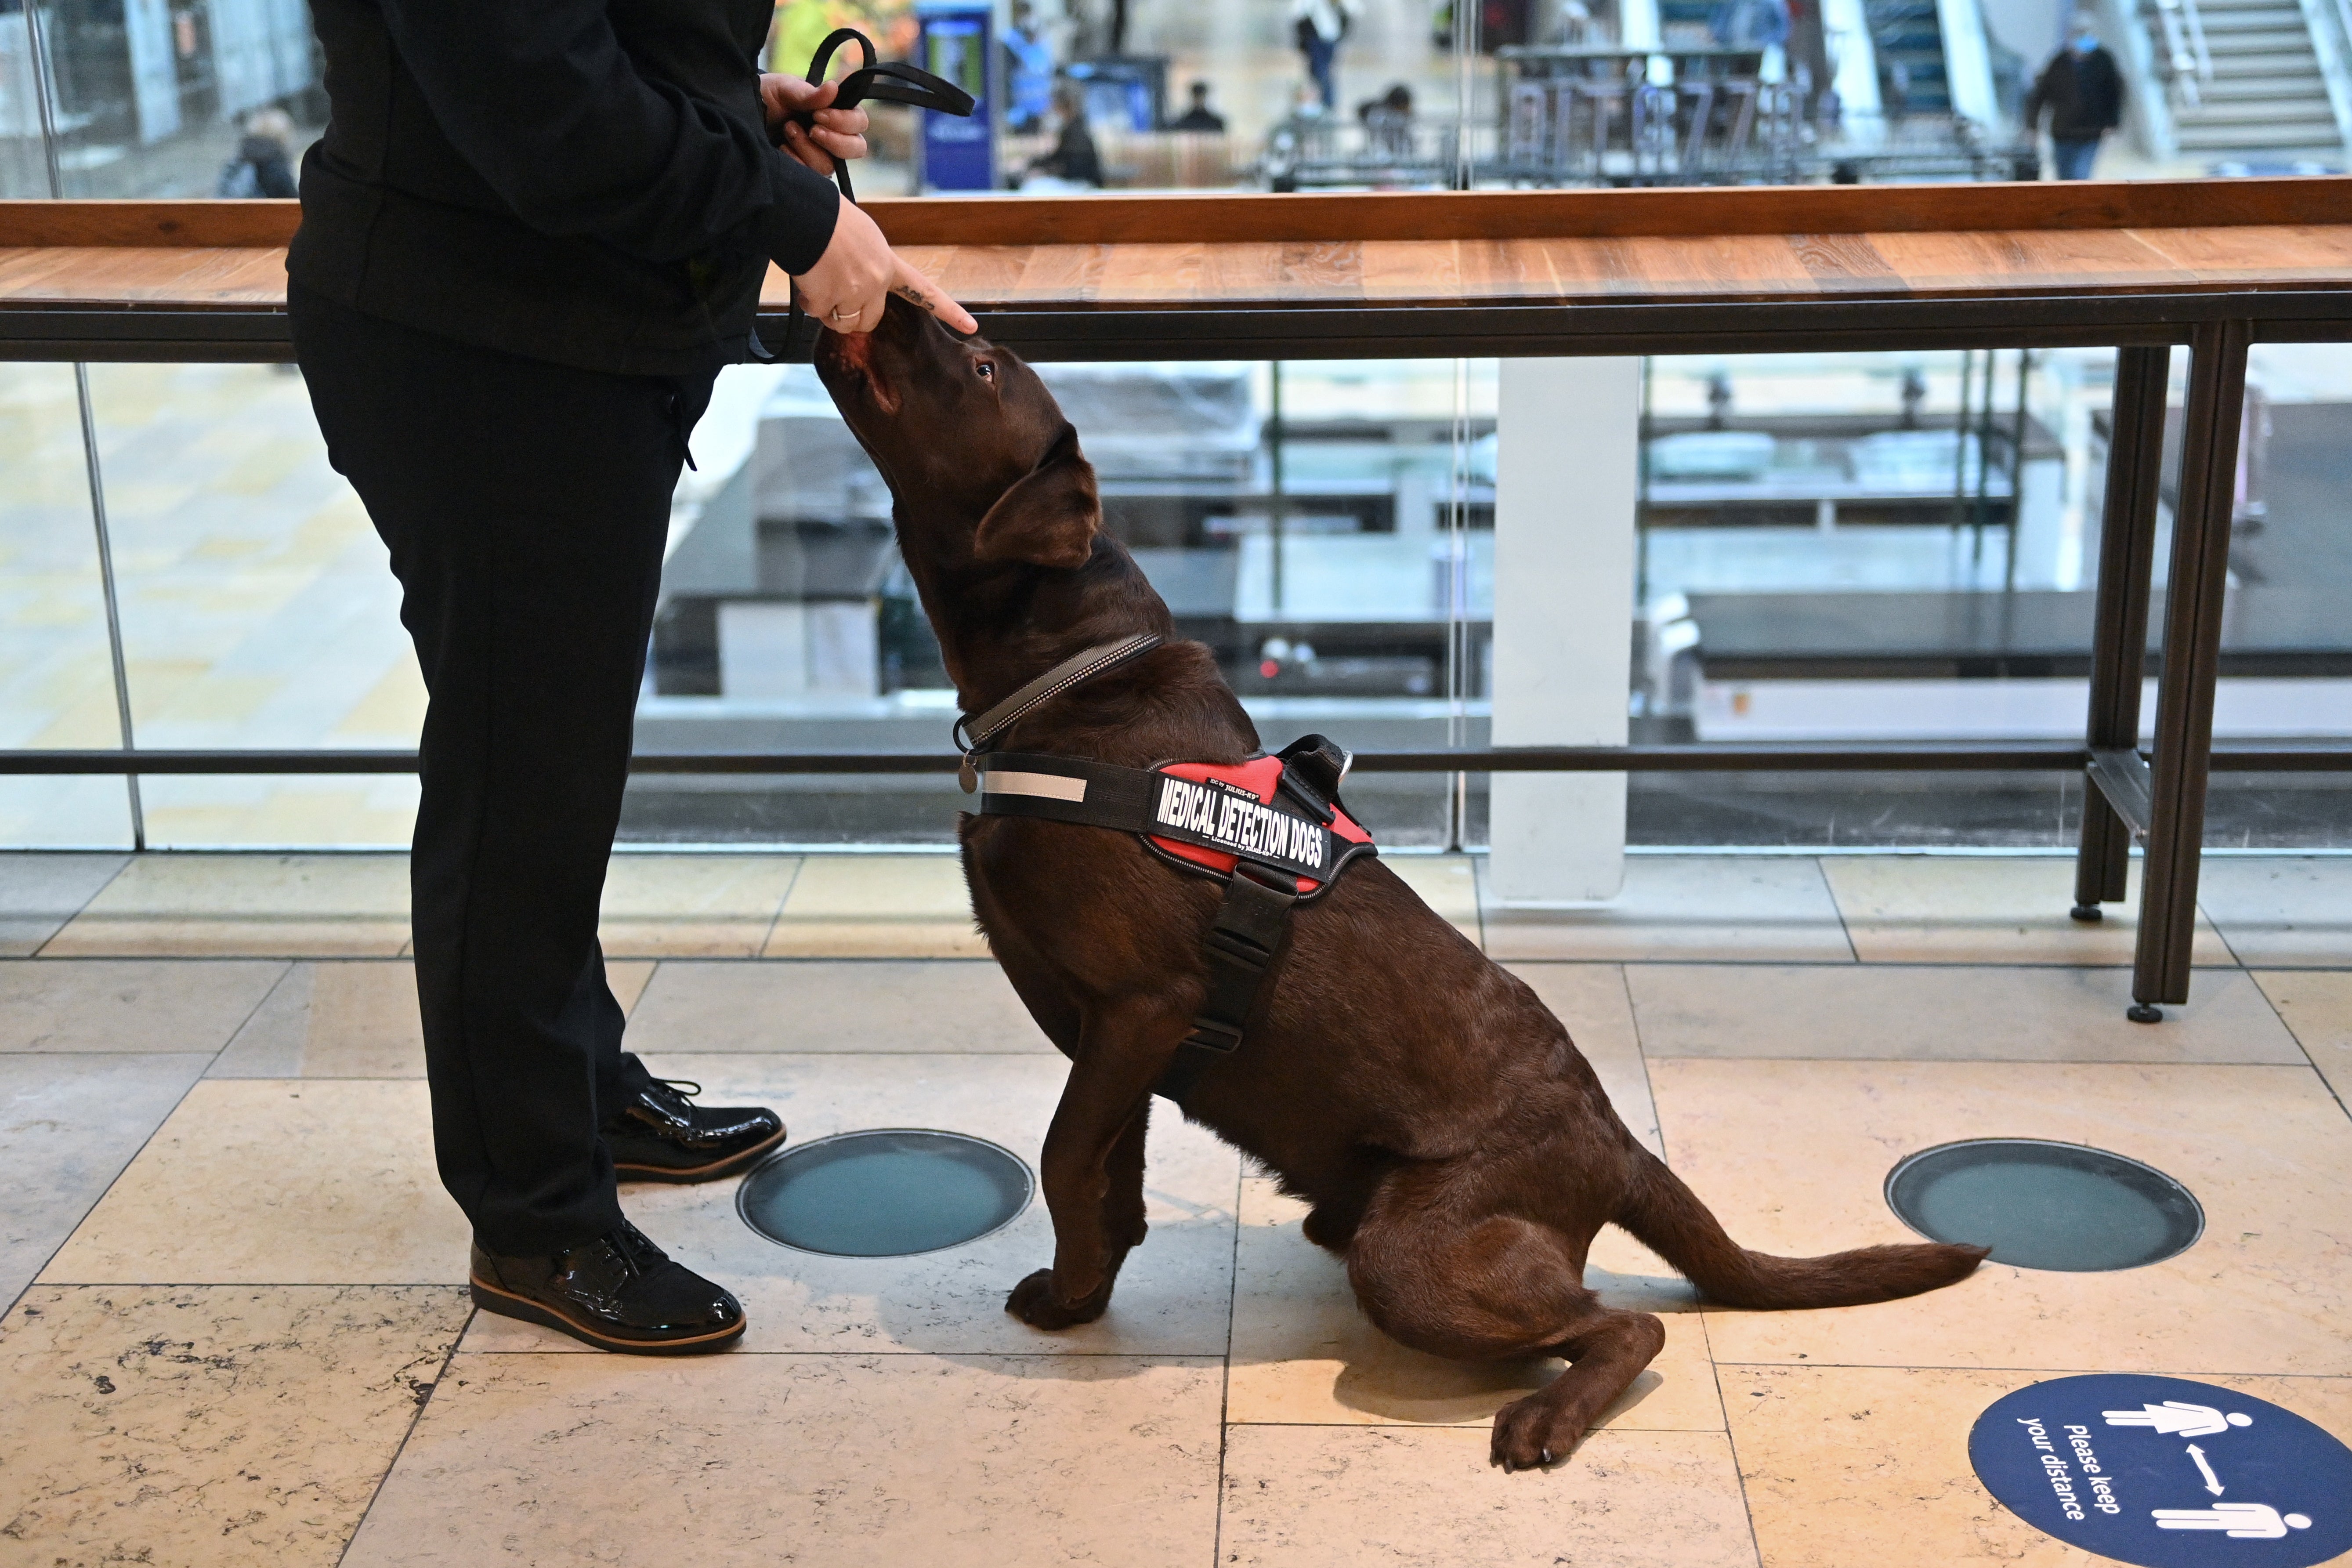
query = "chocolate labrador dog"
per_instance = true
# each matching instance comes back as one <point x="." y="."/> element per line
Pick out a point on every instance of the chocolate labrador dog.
<point x="1456" y="1148"/>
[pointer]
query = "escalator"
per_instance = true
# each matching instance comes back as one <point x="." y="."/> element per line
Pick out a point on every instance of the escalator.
<point x="1909" y="39"/>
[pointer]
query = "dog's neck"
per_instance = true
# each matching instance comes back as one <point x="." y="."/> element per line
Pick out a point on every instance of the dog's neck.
<point x="1002" y="624"/>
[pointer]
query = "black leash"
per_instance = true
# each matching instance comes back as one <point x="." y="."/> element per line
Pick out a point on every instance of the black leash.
<point x="890" y="81"/>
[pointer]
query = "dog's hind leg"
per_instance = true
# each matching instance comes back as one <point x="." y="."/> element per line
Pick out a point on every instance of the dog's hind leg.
<point x="1499" y="1287"/>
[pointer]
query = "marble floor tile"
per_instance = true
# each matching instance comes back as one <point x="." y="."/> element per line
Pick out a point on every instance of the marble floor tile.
<point x="1750" y="908"/>
<point x="261" y="905"/>
<point x="1956" y="909"/>
<point x="67" y="1126"/>
<point x="1448" y="884"/>
<point x="1173" y="1294"/>
<point x="1325" y="1497"/>
<point x="1793" y="1155"/>
<point x="40" y="892"/>
<point x="356" y="1019"/>
<point x="208" y="1427"/>
<point x="840" y="1460"/>
<point x="272" y="1182"/>
<point x="813" y="1005"/>
<point x="1945" y="1013"/>
<point x="877" y="906"/>
<point x="115" y="1006"/>
<point x="693" y="906"/>
<point x="1824" y="1449"/>
<point x="2317" y="1005"/>
<point x="1303" y="1353"/>
<point x="2281" y="912"/>
<point x="1593" y="1000"/>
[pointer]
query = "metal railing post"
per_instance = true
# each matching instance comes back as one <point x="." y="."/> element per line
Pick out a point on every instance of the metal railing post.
<point x="2192" y="656"/>
<point x="2119" y="621"/>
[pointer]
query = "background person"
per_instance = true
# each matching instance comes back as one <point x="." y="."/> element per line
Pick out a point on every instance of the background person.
<point x="264" y="164"/>
<point x="1318" y="25"/>
<point x="1200" y="118"/>
<point x="2083" y="91"/>
<point x="530" y="236"/>
<point x="1075" y="163"/>
<point x="1028" y="72"/>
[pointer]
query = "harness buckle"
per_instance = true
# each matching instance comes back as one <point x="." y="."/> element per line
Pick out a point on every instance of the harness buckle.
<point x="1209" y="1035"/>
<point x="1238" y="948"/>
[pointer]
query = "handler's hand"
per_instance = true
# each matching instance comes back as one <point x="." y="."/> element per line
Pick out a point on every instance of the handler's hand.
<point x="839" y="133"/>
<point x="858" y="271"/>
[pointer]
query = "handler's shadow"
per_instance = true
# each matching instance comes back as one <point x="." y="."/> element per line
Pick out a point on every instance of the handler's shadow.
<point x="1303" y="1353"/>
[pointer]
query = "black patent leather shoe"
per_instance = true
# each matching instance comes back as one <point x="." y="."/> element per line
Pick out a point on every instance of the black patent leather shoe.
<point x="619" y="1292"/>
<point x="659" y="1134"/>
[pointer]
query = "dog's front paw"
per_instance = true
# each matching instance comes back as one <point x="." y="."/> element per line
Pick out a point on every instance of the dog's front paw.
<point x="1532" y="1433"/>
<point x="1034" y="1302"/>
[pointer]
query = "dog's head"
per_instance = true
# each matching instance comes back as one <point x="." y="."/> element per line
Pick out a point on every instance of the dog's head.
<point x="982" y="462"/>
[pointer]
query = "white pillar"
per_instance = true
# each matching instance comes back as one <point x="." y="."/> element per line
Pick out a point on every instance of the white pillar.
<point x="1569" y="437"/>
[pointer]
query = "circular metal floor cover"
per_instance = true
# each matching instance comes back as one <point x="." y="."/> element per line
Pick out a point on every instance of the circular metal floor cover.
<point x="2039" y="1205"/>
<point x="884" y="1194"/>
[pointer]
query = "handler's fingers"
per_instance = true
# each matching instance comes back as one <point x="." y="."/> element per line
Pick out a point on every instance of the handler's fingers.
<point x="916" y="289"/>
<point x="783" y="95"/>
<point x="803" y="149"/>
<point x="839" y="143"/>
<point x="846" y="122"/>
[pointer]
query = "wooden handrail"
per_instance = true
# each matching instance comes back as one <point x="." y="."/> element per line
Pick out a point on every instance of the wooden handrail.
<point x="1230" y="217"/>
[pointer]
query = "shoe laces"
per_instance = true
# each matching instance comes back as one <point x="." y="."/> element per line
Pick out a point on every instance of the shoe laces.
<point x="678" y="1087"/>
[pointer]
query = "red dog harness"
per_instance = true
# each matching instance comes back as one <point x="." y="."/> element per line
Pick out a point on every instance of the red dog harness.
<point x="1271" y="829"/>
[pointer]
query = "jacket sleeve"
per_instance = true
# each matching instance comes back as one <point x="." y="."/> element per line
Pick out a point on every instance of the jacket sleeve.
<point x="541" y="97"/>
<point x="2031" y="113"/>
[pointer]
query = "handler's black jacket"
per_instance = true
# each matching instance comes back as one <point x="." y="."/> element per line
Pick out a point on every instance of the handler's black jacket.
<point x="2085" y="94"/>
<point x="581" y="180"/>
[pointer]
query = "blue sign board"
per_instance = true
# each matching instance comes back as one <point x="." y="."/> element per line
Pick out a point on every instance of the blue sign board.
<point x="2167" y="1474"/>
<point x="957" y="43"/>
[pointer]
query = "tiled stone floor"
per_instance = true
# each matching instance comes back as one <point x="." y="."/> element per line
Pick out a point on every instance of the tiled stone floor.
<point x="236" y="1332"/>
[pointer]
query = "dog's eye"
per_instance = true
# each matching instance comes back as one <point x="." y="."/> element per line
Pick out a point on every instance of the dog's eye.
<point x="984" y="369"/>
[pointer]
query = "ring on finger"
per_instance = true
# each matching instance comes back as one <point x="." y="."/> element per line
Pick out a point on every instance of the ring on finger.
<point x="838" y="314"/>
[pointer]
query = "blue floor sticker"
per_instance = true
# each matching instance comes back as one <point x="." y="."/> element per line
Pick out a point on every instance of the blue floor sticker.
<point x="2167" y="1474"/>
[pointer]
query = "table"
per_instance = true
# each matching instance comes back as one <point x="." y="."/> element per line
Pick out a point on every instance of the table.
<point x="2213" y="266"/>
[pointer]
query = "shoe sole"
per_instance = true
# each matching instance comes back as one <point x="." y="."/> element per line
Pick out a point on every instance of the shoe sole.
<point x="506" y="1304"/>
<point x="710" y="1172"/>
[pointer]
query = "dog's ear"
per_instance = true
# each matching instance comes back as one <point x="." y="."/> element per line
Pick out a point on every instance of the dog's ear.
<point x="1050" y="516"/>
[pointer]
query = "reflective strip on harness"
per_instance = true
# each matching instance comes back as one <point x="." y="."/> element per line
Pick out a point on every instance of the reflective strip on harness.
<point x="1046" y="786"/>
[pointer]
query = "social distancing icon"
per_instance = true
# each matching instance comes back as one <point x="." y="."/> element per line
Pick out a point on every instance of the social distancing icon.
<point x="2167" y="1474"/>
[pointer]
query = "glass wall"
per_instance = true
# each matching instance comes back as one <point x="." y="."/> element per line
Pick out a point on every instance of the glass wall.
<point x="258" y="609"/>
<point x="1830" y="546"/>
<point x="1326" y="528"/>
<point x="57" y="679"/>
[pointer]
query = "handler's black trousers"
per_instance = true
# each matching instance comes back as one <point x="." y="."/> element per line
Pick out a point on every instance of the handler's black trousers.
<point x="526" y="506"/>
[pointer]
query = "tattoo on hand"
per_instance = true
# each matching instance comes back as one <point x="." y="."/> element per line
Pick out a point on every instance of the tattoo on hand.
<point x="914" y="296"/>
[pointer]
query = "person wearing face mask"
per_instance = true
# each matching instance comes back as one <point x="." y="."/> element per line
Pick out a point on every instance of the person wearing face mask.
<point x="2083" y="92"/>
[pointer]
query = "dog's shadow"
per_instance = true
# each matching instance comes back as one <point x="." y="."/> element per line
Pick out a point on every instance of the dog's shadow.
<point x="1304" y="1351"/>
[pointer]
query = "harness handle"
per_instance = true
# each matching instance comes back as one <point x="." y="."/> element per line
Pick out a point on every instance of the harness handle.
<point x="890" y="81"/>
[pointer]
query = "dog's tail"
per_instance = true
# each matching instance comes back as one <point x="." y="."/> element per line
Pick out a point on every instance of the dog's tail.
<point x="1670" y="1221"/>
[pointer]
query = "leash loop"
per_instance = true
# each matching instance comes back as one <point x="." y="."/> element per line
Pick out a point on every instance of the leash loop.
<point x="887" y="81"/>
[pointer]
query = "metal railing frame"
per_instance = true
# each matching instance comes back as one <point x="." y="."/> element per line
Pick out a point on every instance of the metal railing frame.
<point x="2156" y="798"/>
